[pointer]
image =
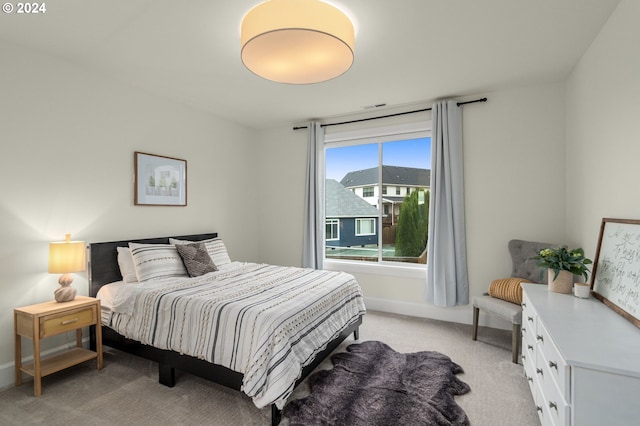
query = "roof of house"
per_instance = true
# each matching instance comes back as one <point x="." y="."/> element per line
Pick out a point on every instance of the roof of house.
<point x="391" y="175"/>
<point x="341" y="202"/>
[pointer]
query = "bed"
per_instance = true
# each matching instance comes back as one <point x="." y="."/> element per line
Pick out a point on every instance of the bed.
<point x="257" y="328"/>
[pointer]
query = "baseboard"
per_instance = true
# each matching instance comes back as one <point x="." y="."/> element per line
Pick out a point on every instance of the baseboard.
<point x="459" y="314"/>
<point x="7" y="370"/>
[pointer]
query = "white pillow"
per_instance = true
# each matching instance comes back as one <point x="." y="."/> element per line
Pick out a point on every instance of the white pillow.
<point x="153" y="261"/>
<point x="215" y="247"/>
<point x="125" y="262"/>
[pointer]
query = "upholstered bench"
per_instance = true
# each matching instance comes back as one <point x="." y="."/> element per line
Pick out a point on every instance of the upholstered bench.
<point x="522" y="267"/>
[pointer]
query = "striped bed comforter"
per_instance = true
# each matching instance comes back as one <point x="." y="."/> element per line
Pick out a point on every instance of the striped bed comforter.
<point x="266" y="322"/>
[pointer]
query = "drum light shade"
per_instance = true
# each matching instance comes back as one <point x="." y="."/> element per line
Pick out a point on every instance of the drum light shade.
<point x="297" y="41"/>
<point x="66" y="257"/>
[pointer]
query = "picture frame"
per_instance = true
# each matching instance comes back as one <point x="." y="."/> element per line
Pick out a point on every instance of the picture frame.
<point x="159" y="180"/>
<point x="615" y="279"/>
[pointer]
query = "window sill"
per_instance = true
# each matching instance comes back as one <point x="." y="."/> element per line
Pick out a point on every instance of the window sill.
<point x="405" y="270"/>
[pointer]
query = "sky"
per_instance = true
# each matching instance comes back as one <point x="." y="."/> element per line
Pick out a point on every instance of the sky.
<point x="407" y="153"/>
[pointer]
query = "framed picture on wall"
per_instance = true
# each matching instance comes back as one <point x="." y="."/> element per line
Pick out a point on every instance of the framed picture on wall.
<point x="615" y="279"/>
<point x="159" y="180"/>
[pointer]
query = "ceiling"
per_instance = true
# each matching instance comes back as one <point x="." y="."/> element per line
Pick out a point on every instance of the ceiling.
<point x="406" y="52"/>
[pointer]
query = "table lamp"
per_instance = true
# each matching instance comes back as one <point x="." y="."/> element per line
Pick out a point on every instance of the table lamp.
<point x="66" y="257"/>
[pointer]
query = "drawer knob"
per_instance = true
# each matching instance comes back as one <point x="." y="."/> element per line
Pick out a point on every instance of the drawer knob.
<point x="69" y="321"/>
<point x="530" y="347"/>
<point x="553" y="364"/>
<point x="530" y="319"/>
<point x="539" y="408"/>
<point x="524" y="331"/>
<point x="539" y="337"/>
<point x="524" y="305"/>
<point x="530" y="379"/>
<point x="524" y="357"/>
<point x="553" y="405"/>
<point x="539" y="371"/>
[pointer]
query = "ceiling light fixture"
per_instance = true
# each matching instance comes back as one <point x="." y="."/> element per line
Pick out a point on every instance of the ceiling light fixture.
<point x="297" y="41"/>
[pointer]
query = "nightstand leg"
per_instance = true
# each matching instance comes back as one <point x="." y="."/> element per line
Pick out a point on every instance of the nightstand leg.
<point x="37" y="373"/>
<point x="79" y="337"/>
<point x="18" y="351"/>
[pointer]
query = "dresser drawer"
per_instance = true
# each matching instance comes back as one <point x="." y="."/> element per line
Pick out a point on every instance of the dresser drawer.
<point x="555" y="405"/>
<point x="51" y="325"/>
<point x="557" y="368"/>
<point x="529" y="365"/>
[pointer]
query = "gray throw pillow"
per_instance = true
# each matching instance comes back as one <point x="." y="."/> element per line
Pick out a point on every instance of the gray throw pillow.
<point x="196" y="259"/>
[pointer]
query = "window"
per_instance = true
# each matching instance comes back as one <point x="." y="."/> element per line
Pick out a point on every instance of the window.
<point x="365" y="226"/>
<point x="332" y="230"/>
<point x="361" y="169"/>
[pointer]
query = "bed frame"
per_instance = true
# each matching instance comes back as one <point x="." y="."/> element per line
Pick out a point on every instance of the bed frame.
<point x="104" y="269"/>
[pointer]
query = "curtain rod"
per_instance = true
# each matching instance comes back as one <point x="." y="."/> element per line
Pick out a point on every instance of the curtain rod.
<point x="389" y="115"/>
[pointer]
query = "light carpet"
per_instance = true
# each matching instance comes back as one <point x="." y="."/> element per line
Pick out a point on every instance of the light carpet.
<point x="127" y="391"/>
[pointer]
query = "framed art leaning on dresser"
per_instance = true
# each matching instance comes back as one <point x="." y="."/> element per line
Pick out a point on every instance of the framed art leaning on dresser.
<point x="615" y="279"/>
<point x="159" y="180"/>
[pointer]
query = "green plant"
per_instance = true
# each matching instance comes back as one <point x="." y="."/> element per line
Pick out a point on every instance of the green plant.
<point x="562" y="259"/>
<point x="413" y="225"/>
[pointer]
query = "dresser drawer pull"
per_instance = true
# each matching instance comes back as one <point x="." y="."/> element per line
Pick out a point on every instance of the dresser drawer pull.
<point x="69" y="321"/>
<point x="530" y="347"/>
<point x="530" y="379"/>
<point x="524" y="305"/>
<point x="539" y="371"/>
<point x="553" y="365"/>
<point x="524" y="357"/>
<point x="530" y="319"/>
<point x="523" y="331"/>
<point x="539" y="408"/>
<point x="553" y="405"/>
<point x="539" y="337"/>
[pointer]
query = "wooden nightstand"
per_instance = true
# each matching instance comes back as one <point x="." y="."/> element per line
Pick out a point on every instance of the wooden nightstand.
<point x="47" y="319"/>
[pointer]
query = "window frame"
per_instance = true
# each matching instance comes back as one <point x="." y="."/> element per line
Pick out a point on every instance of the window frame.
<point x="378" y="135"/>
<point x="359" y="220"/>
<point x="336" y="223"/>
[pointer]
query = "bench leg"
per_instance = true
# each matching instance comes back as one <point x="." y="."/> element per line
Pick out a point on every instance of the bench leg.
<point x="515" y="343"/>
<point x="476" y="312"/>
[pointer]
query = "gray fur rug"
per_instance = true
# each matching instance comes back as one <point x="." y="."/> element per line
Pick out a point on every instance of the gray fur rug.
<point x="371" y="384"/>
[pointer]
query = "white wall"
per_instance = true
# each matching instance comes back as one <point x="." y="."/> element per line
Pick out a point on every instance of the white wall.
<point x="603" y="111"/>
<point x="514" y="177"/>
<point x="66" y="166"/>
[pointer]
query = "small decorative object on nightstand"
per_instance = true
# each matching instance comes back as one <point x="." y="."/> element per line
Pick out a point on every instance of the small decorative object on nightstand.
<point x="43" y="320"/>
<point x="66" y="257"/>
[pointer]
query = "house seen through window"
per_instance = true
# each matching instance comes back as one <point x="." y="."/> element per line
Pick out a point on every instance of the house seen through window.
<point x="377" y="199"/>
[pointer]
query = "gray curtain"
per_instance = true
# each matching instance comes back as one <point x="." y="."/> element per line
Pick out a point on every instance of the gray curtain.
<point x="447" y="280"/>
<point x="313" y="245"/>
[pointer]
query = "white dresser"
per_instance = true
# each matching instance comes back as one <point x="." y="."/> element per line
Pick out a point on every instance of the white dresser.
<point x="581" y="360"/>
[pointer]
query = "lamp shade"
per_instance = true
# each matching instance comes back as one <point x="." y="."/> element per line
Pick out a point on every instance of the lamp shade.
<point x="297" y="41"/>
<point x="67" y="256"/>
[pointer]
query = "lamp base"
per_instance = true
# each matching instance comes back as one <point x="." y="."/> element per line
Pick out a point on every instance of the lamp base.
<point x="65" y="293"/>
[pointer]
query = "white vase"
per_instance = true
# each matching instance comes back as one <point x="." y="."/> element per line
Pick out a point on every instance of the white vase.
<point x="582" y="290"/>
<point x="563" y="283"/>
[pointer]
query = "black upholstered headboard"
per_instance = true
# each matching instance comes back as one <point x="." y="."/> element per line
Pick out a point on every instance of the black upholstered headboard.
<point x="103" y="258"/>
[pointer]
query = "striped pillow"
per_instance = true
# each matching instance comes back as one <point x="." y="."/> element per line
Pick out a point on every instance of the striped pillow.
<point x="215" y="246"/>
<point x="153" y="261"/>
<point x="508" y="289"/>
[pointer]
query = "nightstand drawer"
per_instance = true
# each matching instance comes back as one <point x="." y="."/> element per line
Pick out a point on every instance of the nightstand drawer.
<point x="51" y="325"/>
